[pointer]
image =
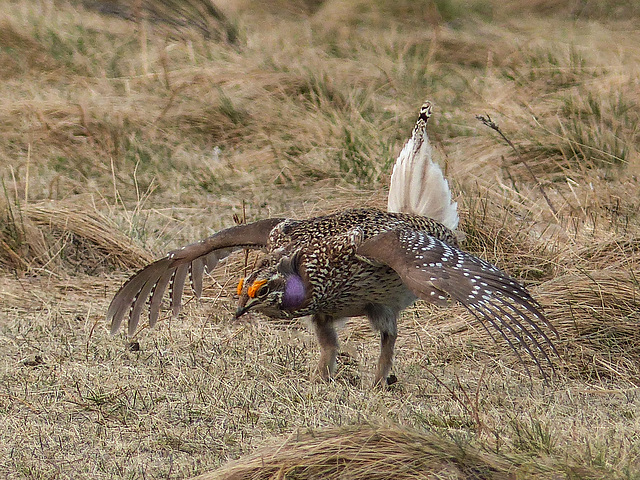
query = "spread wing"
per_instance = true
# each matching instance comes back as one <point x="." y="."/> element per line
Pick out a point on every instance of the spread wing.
<point x="150" y="283"/>
<point x="433" y="270"/>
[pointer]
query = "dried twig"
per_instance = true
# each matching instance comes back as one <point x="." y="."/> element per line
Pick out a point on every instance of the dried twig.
<point x="486" y="120"/>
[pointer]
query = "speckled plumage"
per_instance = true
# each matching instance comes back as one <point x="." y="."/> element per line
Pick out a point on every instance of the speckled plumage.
<point x="341" y="282"/>
<point x="361" y="262"/>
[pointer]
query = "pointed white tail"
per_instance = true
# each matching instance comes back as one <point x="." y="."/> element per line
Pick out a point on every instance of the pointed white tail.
<point x="417" y="183"/>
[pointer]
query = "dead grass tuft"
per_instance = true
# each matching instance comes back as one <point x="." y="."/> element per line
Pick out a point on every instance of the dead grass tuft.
<point x="597" y="315"/>
<point x="364" y="452"/>
<point x="172" y="16"/>
<point x="60" y="238"/>
<point x="21" y="54"/>
<point x="369" y="452"/>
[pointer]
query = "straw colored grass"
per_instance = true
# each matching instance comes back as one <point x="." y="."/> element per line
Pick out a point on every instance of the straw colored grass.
<point x="370" y="452"/>
<point x="50" y="237"/>
<point x="364" y="452"/>
<point x="598" y="313"/>
<point x="131" y="128"/>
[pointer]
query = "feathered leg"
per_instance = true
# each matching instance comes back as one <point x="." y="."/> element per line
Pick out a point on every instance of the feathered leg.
<point x="328" y="341"/>
<point x="384" y="320"/>
<point x="387" y="344"/>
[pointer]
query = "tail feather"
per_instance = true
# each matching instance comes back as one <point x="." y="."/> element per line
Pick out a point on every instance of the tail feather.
<point x="417" y="183"/>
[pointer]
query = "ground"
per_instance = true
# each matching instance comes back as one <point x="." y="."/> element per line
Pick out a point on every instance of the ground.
<point x="128" y="131"/>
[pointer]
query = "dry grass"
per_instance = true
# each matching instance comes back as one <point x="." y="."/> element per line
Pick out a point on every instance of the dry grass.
<point x="48" y="237"/>
<point x="128" y="128"/>
<point x="366" y="452"/>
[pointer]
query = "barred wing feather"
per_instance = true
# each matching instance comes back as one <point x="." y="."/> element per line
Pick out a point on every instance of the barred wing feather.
<point x="431" y="268"/>
<point x="150" y="283"/>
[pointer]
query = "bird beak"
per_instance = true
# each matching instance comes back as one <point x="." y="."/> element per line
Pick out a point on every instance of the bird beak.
<point x="242" y="309"/>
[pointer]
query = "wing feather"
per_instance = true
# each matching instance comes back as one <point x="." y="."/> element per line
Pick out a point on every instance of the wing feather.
<point x="150" y="283"/>
<point x="176" y="287"/>
<point x="156" y="297"/>
<point x="195" y="274"/>
<point x="425" y="263"/>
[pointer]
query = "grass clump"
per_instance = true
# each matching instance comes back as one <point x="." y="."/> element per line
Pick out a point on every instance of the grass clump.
<point x="126" y="133"/>
<point x="601" y="131"/>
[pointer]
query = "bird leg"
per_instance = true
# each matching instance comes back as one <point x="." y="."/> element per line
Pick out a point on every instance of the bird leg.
<point x="328" y="341"/>
<point x="387" y="343"/>
<point x="384" y="320"/>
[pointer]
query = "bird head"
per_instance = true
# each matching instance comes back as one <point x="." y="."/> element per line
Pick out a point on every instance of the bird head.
<point x="276" y="290"/>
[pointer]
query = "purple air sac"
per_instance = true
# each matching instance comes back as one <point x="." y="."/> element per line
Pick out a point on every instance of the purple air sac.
<point x="294" y="293"/>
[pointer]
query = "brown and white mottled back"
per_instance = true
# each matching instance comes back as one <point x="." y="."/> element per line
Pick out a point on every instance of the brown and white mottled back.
<point x="361" y="262"/>
<point x="325" y="248"/>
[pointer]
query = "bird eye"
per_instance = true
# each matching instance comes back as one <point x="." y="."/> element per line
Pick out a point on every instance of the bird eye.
<point x="263" y="291"/>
